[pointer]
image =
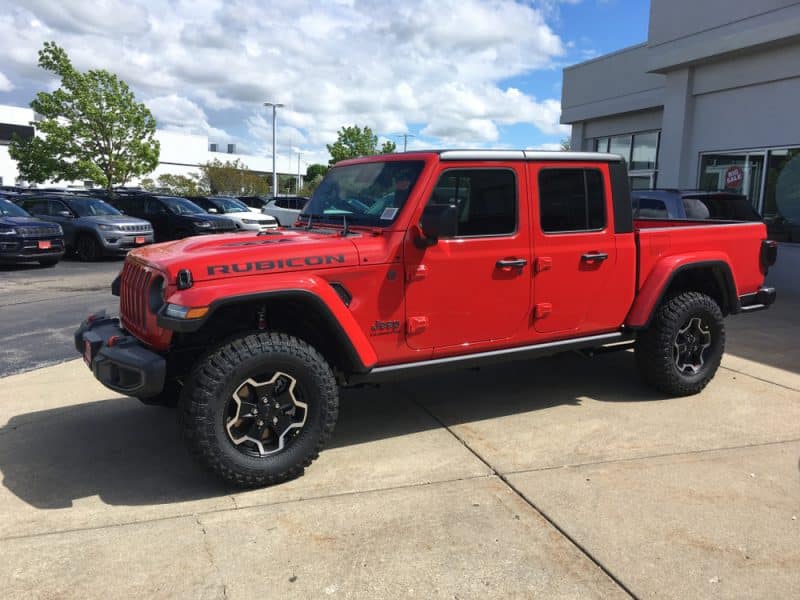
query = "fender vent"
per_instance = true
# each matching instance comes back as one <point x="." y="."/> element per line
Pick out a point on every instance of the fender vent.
<point x="342" y="292"/>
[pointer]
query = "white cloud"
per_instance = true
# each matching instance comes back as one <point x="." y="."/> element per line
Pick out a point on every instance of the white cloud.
<point x="436" y="66"/>
<point x="5" y="83"/>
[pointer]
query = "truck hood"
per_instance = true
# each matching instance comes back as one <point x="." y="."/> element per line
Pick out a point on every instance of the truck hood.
<point x="115" y="220"/>
<point x="215" y="257"/>
<point x="27" y="222"/>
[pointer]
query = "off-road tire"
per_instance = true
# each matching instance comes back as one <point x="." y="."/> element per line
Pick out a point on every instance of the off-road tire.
<point x="654" y="347"/>
<point x="87" y="248"/>
<point x="48" y="262"/>
<point x="216" y="377"/>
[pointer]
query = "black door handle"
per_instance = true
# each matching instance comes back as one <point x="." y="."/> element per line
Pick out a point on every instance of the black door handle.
<point x="512" y="262"/>
<point x="592" y="256"/>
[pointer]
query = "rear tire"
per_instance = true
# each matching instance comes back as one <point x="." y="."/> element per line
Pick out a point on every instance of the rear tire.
<point x="259" y="409"/>
<point x="87" y="248"/>
<point x="681" y="350"/>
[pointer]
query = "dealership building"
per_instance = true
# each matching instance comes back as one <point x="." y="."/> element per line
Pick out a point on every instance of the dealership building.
<point x="709" y="101"/>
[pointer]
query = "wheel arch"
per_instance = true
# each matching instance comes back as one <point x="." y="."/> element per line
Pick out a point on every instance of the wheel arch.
<point x="712" y="277"/>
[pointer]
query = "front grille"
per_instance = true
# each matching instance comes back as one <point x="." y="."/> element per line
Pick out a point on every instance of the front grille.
<point x="134" y="286"/>
<point x="36" y="231"/>
<point x="135" y="228"/>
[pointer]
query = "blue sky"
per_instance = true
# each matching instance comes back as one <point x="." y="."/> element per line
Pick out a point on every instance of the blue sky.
<point x="454" y="73"/>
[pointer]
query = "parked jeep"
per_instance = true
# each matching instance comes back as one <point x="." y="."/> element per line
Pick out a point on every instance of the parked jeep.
<point x="411" y="263"/>
<point x="172" y="217"/>
<point x="25" y="239"/>
<point x="236" y="211"/>
<point x="92" y="227"/>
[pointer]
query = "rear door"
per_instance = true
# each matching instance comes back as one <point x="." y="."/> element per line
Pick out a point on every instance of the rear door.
<point x="575" y="263"/>
<point x="474" y="287"/>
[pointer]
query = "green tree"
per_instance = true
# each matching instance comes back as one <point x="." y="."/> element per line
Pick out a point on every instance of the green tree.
<point x="566" y="144"/>
<point x="310" y="185"/>
<point x="314" y="170"/>
<point x="92" y="128"/>
<point x="355" y="141"/>
<point x="232" y="178"/>
<point x="176" y="185"/>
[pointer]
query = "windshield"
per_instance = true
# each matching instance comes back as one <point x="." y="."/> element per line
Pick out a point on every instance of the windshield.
<point x="90" y="207"/>
<point x="368" y="193"/>
<point x="229" y="205"/>
<point x="9" y="209"/>
<point x="182" y="206"/>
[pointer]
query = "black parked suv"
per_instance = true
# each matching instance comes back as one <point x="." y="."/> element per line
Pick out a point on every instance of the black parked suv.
<point x="92" y="227"/>
<point x="172" y="217"/>
<point x="24" y="238"/>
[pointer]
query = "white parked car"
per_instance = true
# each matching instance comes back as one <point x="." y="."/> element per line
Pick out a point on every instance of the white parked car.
<point x="285" y="208"/>
<point x="237" y="211"/>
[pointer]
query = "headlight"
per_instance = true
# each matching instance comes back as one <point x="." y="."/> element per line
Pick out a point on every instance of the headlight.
<point x="177" y="311"/>
<point x="8" y="231"/>
<point x="103" y="227"/>
<point x="155" y="295"/>
<point x="204" y="224"/>
<point x="249" y="221"/>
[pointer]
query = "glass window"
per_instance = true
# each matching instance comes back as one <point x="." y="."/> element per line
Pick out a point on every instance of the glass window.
<point x="782" y="195"/>
<point x="153" y="206"/>
<point x="369" y="193"/>
<point x="735" y="173"/>
<point x="641" y="182"/>
<point x="601" y="145"/>
<point x="91" y="207"/>
<point x="645" y="150"/>
<point x="621" y="144"/>
<point x="56" y="207"/>
<point x="486" y="200"/>
<point x="571" y="200"/>
<point x="649" y="208"/>
<point x="724" y="206"/>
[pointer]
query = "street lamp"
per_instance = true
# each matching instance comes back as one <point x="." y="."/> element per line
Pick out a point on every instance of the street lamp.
<point x="274" y="168"/>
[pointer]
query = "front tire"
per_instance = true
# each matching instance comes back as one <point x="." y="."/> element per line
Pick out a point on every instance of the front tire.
<point x="681" y="350"/>
<point x="87" y="248"/>
<point x="259" y="409"/>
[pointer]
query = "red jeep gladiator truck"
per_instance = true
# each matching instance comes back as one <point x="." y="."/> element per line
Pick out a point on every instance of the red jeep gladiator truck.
<point x="413" y="262"/>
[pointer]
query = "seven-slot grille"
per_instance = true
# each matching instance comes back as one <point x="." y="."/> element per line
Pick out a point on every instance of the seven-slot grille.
<point x="135" y="228"/>
<point x="36" y="231"/>
<point x="133" y="299"/>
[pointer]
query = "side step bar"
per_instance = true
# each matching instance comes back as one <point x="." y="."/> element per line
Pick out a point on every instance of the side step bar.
<point x="394" y="372"/>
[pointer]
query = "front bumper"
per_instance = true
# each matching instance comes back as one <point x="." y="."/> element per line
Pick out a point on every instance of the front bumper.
<point x="26" y="249"/>
<point x="118" y="360"/>
<point x="114" y="243"/>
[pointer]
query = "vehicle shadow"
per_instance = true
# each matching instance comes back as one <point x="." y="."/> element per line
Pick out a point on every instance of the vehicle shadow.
<point x="129" y="454"/>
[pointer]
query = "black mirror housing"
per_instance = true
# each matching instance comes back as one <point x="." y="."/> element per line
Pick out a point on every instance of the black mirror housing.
<point x="438" y="221"/>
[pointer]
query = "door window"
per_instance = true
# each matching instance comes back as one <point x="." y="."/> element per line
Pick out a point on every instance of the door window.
<point x="571" y="200"/>
<point x="486" y="200"/>
<point x="649" y="208"/>
<point x="154" y="207"/>
<point x="57" y="207"/>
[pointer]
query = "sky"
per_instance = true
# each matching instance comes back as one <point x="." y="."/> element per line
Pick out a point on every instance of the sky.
<point x="450" y="73"/>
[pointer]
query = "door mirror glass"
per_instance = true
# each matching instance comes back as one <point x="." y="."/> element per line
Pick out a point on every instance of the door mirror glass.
<point x="65" y="213"/>
<point x="438" y="221"/>
<point x="213" y="211"/>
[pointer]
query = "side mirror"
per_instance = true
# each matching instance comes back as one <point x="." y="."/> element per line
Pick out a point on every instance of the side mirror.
<point x="438" y="221"/>
<point x="213" y="211"/>
<point x="65" y="213"/>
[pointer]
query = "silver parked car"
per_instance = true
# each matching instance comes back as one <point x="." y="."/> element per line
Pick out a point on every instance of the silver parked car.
<point x="285" y="208"/>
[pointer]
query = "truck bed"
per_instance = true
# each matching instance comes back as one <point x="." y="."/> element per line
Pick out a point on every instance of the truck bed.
<point x="738" y="243"/>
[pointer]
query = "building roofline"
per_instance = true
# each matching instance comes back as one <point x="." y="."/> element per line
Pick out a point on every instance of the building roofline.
<point x="605" y="56"/>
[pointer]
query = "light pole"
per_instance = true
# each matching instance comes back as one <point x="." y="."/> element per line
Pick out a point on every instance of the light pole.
<point x="274" y="168"/>
<point x="299" y="154"/>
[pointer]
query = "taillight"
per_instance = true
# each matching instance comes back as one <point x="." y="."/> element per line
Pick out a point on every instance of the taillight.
<point x="769" y="254"/>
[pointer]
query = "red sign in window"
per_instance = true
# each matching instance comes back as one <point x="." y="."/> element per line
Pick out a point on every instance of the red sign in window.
<point x="734" y="177"/>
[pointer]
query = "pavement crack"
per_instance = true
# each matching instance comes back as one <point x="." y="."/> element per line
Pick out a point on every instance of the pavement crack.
<point x="594" y="560"/>
<point x="210" y="555"/>
<point x="757" y="378"/>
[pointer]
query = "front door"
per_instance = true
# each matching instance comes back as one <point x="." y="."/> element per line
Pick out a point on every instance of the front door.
<point x="474" y="287"/>
<point x="576" y="257"/>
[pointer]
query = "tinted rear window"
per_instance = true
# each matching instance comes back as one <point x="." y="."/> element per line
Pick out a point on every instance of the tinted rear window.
<point x="723" y="207"/>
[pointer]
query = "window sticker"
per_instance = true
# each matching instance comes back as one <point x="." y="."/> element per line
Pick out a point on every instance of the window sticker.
<point x="389" y="213"/>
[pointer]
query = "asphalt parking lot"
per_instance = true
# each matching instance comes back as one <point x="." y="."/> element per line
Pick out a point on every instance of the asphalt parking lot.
<point x="560" y="478"/>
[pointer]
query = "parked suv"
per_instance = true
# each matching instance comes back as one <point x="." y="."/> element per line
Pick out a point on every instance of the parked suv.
<point x="23" y="238"/>
<point x="237" y="211"/>
<point x="92" y="227"/>
<point x="285" y="208"/>
<point x="172" y="217"/>
<point x="692" y="204"/>
<point x="254" y="203"/>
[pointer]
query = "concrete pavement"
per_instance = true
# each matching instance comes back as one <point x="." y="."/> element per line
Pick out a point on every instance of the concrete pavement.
<point x="561" y="478"/>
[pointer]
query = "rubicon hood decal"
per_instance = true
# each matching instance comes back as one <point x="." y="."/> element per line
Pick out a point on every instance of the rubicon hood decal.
<point x="280" y="263"/>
